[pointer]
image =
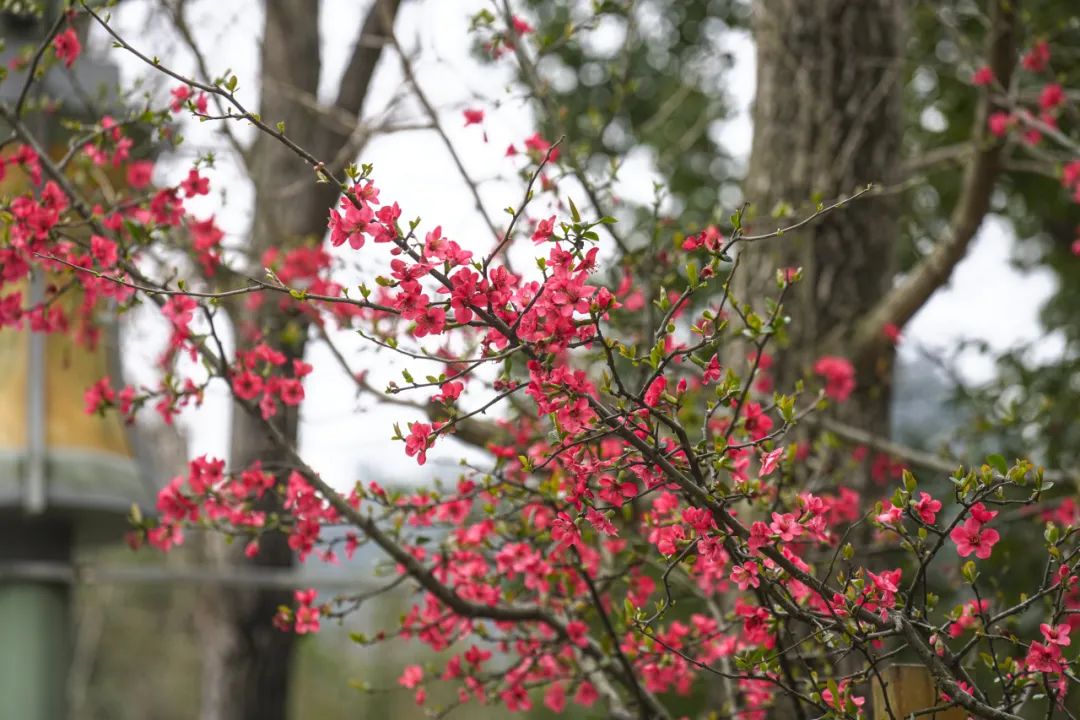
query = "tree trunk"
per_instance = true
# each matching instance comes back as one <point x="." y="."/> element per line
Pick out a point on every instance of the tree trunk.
<point x="247" y="662"/>
<point x="827" y="121"/>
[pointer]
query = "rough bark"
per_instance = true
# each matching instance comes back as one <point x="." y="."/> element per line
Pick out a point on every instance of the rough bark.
<point x="247" y="663"/>
<point x="827" y="121"/>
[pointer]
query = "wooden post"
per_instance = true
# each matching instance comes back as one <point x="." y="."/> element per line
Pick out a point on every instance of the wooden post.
<point x="910" y="689"/>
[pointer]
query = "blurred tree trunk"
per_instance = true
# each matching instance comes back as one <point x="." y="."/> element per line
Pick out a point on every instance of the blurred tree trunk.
<point x="247" y="662"/>
<point x="827" y="121"/>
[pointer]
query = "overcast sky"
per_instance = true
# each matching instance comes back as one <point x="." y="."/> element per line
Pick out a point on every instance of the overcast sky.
<point x="346" y="439"/>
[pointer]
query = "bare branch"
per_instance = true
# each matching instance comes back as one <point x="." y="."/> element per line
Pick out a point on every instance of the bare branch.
<point x="979" y="181"/>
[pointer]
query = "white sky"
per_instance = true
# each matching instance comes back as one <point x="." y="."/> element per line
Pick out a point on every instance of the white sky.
<point x="986" y="299"/>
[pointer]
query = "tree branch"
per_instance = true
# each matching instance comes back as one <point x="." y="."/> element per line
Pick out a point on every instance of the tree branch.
<point x="979" y="181"/>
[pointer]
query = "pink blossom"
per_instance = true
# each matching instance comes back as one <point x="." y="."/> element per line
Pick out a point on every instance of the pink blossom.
<point x="521" y="26"/>
<point x="999" y="123"/>
<point x="972" y="537"/>
<point x="1036" y="59"/>
<point x="839" y="376"/>
<point x="544" y="230"/>
<point x="927" y="508"/>
<point x="891" y="331"/>
<point x="983" y="76"/>
<point x="67" y="46"/>
<point x="655" y="391"/>
<point x="412" y="676"/>
<point x="1051" y="96"/>
<point x="712" y="371"/>
<point x="891" y="515"/>
<point x="417" y="441"/>
<point x="473" y="116"/>
<point x="1044" y="658"/>
<point x="746" y="575"/>
<point x="759" y="536"/>
<point x="1056" y="634"/>
<point x="578" y="632"/>
<point x="770" y="460"/>
<point x="982" y="514"/>
<point x="786" y="526"/>
<point x="140" y="173"/>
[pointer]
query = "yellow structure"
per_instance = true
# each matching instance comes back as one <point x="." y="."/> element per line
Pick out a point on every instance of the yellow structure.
<point x="54" y="457"/>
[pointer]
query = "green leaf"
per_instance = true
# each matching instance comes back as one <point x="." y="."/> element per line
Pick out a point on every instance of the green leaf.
<point x="692" y="273"/>
<point x="1051" y="534"/>
<point x="970" y="573"/>
<point x="998" y="463"/>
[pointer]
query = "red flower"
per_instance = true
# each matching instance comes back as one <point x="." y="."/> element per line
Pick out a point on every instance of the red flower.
<point x="307" y="620"/>
<point x="411" y="677"/>
<point x="418" y="441"/>
<point x="769" y="461"/>
<point x="180" y="95"/>
<point x="473" y="116"/>
<point x="891" y="515"/>
<point x="1056" y="635"/>
<point x="786" y="526"/>
<point x="544" y="230"/>
<point x="981" y="514"/>
<point x="431" y="321"/>
<point x="983" y="76"/>
<point x="972" y="537"/>
<point x="1051" y="96"/>
<point x="195" y="184"/>
<point x="565" y="532"/>
<point x="839" y="376"/>
<point x="291" y="391"/>
<point x="99" y="396"/>
<point x="759" y="536"/>
<point x="247" y="385"/>
<point x="745" y="575"/>
<point x="999" y="123"/>
<point x="521" y="26"/>
<point x="927" y="508"/>
<point x="892" y="332"/>
<point x="1036" y="59"/>
<point x="104" y="251"/>
<point x="67" y="46"/>
<point x="655" y="391"/>
<point x="578" y="632"/>
<point x="140" y="173"/>
<point x="1044" y="658"/>
<point x="712" y="371"/>
<point x="538" y="147"/>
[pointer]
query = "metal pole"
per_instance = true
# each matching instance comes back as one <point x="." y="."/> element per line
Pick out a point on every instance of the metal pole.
<point x="35" y="490"/>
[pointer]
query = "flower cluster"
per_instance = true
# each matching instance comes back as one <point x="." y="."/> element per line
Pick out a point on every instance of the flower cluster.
<point x="649" y="452"/>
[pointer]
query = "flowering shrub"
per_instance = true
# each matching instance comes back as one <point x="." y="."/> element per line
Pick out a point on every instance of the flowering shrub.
<point x="650" y="519"/>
